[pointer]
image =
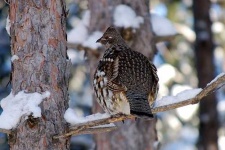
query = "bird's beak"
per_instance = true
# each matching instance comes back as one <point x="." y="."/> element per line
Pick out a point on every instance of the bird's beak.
<point x="99" y="40"/>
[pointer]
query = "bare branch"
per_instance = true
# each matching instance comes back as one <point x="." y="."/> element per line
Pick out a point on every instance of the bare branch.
<point x="157" y="39"/>
<point x="97" y="130"/>
<point x="7" y="2"/>
<point x="86" y="128"/>
<point x="5" y="131"/>
<point x="74" y="46"/>
<point x="87" y="131"/>
<point x="80" y="47"/>
<point x="111" y="119"/>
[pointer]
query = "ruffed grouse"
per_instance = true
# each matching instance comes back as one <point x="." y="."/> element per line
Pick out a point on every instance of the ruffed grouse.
<point x="125" y="81"/>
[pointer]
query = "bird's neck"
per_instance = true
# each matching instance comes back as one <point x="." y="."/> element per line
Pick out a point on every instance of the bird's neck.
<point x="119" y="43"/>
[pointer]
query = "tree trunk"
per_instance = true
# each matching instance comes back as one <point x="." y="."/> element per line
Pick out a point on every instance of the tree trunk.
<point x="205" y="68"/>
<point x="132" y="135"/>
<point x="38" y="38"/>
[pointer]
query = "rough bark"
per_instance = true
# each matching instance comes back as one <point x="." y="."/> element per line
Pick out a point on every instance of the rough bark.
<point x="205" y="69"/>
<point x="38" y="38"/>
<point x="132" y="135"/>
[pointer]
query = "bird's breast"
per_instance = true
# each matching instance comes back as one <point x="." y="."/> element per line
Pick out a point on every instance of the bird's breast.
<point x="111" y="101"/>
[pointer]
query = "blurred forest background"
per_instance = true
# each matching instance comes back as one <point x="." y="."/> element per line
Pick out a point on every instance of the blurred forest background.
<point x="181" y="61"/>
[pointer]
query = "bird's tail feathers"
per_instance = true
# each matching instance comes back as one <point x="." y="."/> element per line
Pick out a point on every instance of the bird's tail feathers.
<point x="139" y="106"/>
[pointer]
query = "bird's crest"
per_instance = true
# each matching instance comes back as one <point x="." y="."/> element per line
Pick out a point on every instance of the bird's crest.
<point x="111" y="37"/>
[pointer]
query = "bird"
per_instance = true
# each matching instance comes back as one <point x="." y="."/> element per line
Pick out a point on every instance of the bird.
<point x="125" y="81"/>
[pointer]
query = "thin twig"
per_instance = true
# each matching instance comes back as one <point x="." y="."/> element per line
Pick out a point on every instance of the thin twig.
<point x="5" y="131"/>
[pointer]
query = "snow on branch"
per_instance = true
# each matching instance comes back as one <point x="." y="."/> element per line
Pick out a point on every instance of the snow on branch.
<point x="71" y="117"/>
<point x="183" y="98"/>
<point x="103" y="124"/>
<point x="16" y="106"/>
<point x="125" y="16"/>
<point x="80" y="33"/>
<point x="79" y="38"/>
<point x="98" y="123"/>
<point x="91" y="40"/>
<point x="162" y="26"/>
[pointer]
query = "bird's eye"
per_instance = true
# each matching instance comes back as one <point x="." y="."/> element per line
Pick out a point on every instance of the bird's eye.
<point x="108" y="37"/>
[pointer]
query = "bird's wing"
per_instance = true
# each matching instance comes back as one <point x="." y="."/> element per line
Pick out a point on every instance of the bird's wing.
<point x="108" y="70"/>
<point x="154" y="73"/>
<point x="112" y="84"/>
<point x="155" y="86"/>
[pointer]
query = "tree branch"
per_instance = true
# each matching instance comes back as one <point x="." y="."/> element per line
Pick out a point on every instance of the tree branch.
<point x="5" y="131"/>
<point x="81" y="131"/>
<point x="157" y="39"/>
<point x="206" y="91"/>
<point x="86" y="128"/>
<point x="80" y="47"/>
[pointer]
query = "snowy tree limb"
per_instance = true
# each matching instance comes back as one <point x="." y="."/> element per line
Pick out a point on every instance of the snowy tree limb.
<point x="85" y="127"/>
<point x="211" y="87"/>
<point x="81" y="127"/>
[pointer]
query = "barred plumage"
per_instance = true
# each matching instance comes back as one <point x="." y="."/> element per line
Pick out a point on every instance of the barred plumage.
<point x="125" y="81"/>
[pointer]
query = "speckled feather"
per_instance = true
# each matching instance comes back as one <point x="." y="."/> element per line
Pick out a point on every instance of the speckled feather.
<point x="125" y="81"/>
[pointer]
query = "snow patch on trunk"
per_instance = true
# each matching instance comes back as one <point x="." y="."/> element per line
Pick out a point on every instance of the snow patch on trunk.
<point x="16" y="106"/>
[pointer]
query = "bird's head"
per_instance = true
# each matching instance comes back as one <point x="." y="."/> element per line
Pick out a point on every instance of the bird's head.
<point x="111" y="37"/>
